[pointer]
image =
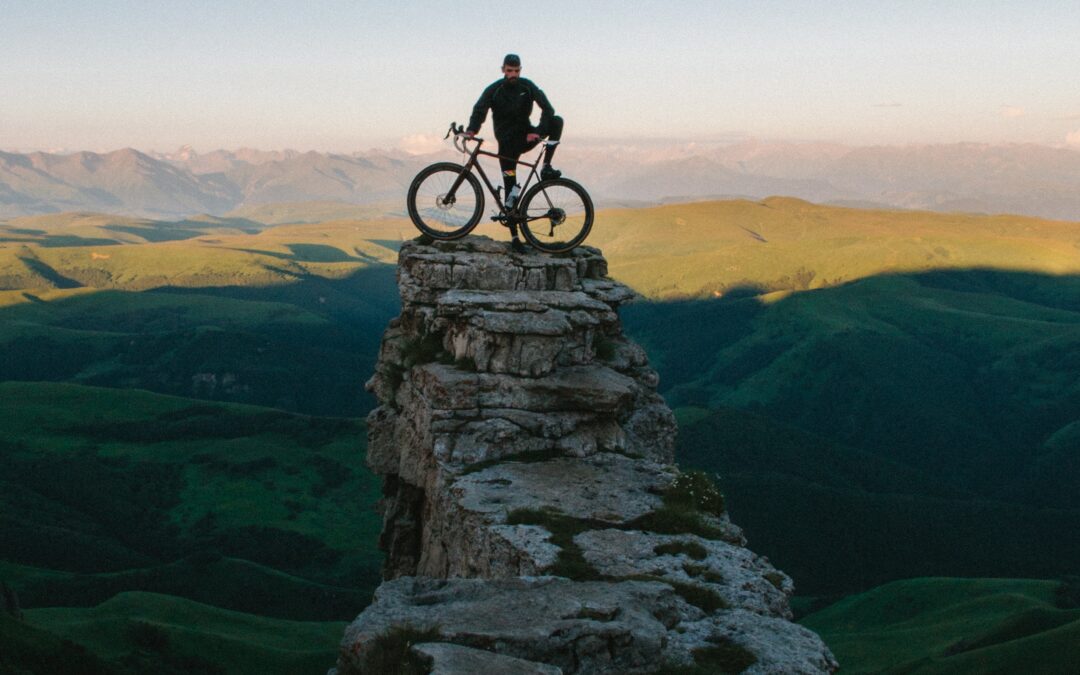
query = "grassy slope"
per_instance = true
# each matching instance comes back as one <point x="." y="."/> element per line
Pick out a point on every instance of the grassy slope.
<point x="149" y="254"/>
<point x="989" y="368"/>
<point x="942" y="625"/>
<point x="28" y="650"/>
<point x="107" y="491"/>
<point x="802" y="498"/>
<point x="239" y="643"/>
<point x="155" y="489"/>
<point x="877" y="363"/>
<point x="304" y="345"/>
<point x="675" y="251"/>
<point x="280" y="213"/>
<point x="707" y="248"/>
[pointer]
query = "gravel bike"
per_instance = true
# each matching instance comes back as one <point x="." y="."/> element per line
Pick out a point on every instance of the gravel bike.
<point x="445" y="201"/>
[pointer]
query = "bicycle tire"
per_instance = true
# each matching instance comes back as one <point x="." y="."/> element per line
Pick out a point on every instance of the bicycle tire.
<point x="429" y="211"/>
<point x="556" y="204"/>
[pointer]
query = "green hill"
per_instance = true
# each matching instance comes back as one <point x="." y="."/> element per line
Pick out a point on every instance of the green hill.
<point x="802" y="499"/>
<point x="941" y="625"/>
<point x="69" y="252"/>
<point x="962" y="373"/>
<point x="714" y="248"/>
<point x="107" y="490"/>
<point x="145" y="631"/>
<point x="915" y="420"/>
<point x="885" y="394"/>
<point x="304" y="346"/>
<point x="33" y="651"/>
<point x="280" y="213"/>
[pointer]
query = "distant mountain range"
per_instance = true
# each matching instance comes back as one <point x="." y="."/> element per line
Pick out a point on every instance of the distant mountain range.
<point x="1024" y="179"/>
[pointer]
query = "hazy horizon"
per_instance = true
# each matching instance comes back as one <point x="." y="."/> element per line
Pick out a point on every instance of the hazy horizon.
<point x="435" y="144"/>
<point x="340" y="77"/>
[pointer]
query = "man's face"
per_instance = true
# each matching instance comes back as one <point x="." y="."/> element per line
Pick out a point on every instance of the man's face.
<point x="512" y="73"/>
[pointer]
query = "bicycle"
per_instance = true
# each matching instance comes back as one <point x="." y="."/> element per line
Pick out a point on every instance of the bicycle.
<point x="445" y="201"/>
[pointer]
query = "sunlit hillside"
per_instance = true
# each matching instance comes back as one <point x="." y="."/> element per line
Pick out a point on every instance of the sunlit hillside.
<point x="59" y="255"/>
<point x="708" y="249"/>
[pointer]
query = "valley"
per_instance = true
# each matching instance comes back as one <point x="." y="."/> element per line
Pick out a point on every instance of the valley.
<point x="886" y="395"/>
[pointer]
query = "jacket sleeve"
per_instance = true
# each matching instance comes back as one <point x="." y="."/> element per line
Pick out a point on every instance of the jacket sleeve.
<point x="480" y="110"/>
<point x="546" y="111"/>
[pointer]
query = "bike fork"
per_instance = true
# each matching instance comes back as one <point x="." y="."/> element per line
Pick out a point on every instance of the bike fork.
<point x="459" y="180"/>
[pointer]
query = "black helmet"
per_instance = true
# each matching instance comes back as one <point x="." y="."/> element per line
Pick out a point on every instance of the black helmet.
<point x="512" y="60"/>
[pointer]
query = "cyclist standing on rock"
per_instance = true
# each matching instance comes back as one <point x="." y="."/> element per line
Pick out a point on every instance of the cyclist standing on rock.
<point x="511" y="102"/>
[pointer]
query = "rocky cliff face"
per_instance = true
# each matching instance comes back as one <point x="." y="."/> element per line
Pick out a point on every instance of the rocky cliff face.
<point x="535" y="521"/>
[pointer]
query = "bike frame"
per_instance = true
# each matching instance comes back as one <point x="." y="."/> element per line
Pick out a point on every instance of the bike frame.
<point x="473" y="163"/>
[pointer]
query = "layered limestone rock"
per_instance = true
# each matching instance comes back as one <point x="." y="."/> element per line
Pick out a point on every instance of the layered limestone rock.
<point x="534" y="520"/>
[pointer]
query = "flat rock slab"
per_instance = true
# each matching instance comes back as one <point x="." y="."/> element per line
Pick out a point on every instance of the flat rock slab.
<point x="593" y="388"/>
<point x="450" y="659"/>
<point x="594" y="627"/>
<point x="739" y="576"/>
<point x="606" y="487"/>
<point x="454" y="302"/>
<point x="478" y="263"/>
<point x="779" y="646"/>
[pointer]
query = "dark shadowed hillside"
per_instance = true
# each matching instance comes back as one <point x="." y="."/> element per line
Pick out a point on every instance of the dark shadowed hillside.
<point x="922" y="423"/>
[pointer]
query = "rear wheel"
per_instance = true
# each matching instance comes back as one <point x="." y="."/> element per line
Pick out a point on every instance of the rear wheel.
<point x="438" y="213"/>
<point x="558" y="215"/>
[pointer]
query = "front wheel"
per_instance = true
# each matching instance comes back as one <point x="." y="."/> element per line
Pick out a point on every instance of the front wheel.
<point x="445" y="201"/>
<point x="557" y="215"/>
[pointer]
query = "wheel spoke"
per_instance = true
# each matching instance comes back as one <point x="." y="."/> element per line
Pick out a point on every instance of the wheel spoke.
<point x="438" y="213"/>
<point x="559" y="215"/>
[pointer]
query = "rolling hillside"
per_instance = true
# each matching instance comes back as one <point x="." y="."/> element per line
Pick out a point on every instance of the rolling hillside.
<point x="265" y="514"/>
<point x="886" y="394"/>
<point x="942" y="625"/>
<point x="164" y="633"/>
<point x="711" y="249"/>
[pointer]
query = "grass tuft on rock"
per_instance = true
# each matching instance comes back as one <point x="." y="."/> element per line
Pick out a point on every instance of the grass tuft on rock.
<point x="426" y="348"/>
<point x="466" y="363"/>
<point x="605" y="349"/>
<point x="705" y="599"/>
<point x="391" y="653"/>
<point x="703" y="572"/>
<point x="776" y="579"/>
<point x="724" y="657"/>
<point x="695" y="490"/>
<point x="677" y="520"/>
<point x="571" y="561"/>
<point x="690" y="498"/>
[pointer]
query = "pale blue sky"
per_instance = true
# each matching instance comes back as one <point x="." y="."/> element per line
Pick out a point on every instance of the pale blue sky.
<point x="345" y="76"/>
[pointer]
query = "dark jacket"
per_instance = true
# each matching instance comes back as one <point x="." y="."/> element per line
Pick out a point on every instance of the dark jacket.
<point x="511" y="105"/>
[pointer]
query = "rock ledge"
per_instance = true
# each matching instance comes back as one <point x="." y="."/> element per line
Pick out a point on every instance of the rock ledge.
<point x="534" y="519"/>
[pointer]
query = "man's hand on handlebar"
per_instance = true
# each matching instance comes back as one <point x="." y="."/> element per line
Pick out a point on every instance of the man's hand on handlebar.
<point x="532" y="137"/>
<point x="469" y="134"/>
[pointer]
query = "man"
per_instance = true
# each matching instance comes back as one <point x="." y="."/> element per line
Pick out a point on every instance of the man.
<point x="511" y="102"/>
